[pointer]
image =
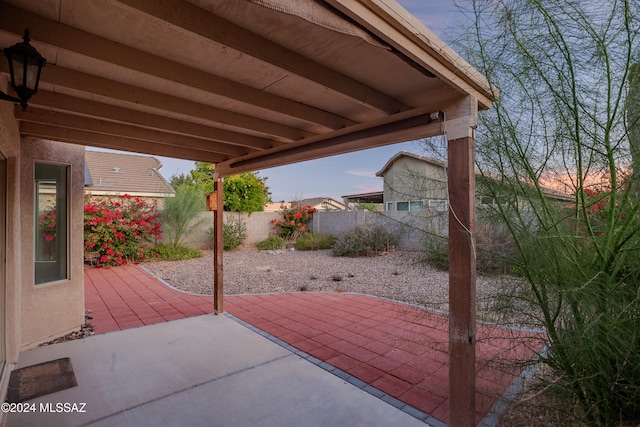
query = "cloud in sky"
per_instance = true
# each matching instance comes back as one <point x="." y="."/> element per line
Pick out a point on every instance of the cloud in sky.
<point x="367" y="188"/>
<point x="364" y="173"/>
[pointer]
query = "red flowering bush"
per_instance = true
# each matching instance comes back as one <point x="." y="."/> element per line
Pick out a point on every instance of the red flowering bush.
<point x="47" y="224"/>
<point x="117" y="229"/>
<point x="294" y="222"/>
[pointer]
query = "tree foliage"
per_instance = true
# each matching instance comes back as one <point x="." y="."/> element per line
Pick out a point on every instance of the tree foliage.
<point x="563" y="69"/>
<point x="245" y="192"/>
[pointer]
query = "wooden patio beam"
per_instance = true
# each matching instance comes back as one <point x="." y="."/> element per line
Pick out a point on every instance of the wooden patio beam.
<point x="404" y="126"/>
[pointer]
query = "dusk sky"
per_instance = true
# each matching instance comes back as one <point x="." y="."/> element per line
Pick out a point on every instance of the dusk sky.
<point x="349" y="173"/>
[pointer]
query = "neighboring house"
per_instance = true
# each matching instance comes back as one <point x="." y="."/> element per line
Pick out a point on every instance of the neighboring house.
<point x="413" y="182"/>
<point x="276" y="206"/>
<point x="322" y="204"/>
<point x="115" y="174"/>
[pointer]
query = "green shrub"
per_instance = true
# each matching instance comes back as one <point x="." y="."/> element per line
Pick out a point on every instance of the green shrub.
<point x="234" y="232"/>
<point x="272" y="243"/>
<point x="364" y="240"/>
<point x="495" y="251"/>
<point x="173" y="253"/>
<point x="436" y="251"/>
<point x="314" y="241"/>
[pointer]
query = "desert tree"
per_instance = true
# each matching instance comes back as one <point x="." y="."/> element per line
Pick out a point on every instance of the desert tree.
<point x="565" y="74"/>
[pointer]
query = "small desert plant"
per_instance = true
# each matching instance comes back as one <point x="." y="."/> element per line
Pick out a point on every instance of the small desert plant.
<point x="234" y="232"/>
<point x="364" y="240"/>
<point x="181" y="214"/>
<point x="436" y="251"/>
<point x="494" y="249"/>
<point x="272" y="243"/>
<point x="314" y="241"/>
<point x="173" y="253"/>
<point x="336" y="278"/>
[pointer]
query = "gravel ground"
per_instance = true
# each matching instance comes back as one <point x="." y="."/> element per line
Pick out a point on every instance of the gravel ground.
<point x="400" y="275"/>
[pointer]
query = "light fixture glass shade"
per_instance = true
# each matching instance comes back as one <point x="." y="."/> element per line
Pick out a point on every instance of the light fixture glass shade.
<point x="25" y="65"/>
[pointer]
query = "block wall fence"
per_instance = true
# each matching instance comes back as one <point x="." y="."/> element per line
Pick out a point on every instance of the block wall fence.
<point x="411" y="228"/>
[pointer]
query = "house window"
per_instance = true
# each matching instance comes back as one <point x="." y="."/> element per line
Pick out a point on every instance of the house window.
<point x="416" y="206"/>
<point x="389" y="206"/>
<point x="402" y="206"/>
<point x="51" y="208"/>
<point x="438" y="205"/>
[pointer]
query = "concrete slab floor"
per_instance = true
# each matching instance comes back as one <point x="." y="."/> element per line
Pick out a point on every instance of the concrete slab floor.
<point x="200" y="371"/>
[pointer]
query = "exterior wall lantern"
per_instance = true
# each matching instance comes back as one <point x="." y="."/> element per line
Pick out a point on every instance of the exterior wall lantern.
<point x="25" y="65"/>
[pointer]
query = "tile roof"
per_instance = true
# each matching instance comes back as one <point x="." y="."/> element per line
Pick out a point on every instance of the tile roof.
<point x="115" y="173"/>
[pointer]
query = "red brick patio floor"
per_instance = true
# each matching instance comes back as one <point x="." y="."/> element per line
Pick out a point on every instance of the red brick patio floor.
<point x="392" y="350"/>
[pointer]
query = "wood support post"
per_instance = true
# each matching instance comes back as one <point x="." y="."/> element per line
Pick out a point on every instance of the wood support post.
<point x="462" y="282"/>
<point x="218" y="245"/>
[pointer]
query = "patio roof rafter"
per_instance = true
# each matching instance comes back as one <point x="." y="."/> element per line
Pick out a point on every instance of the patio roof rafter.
<point x="83" y="107"/>
<point x="77" y="80"/>
<point x="194" y="19"/>
<point x="105" y="127"/>
<point x="84" y="137"/>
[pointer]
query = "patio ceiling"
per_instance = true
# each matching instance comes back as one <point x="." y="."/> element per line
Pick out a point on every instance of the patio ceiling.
<point x="246" y="84"/>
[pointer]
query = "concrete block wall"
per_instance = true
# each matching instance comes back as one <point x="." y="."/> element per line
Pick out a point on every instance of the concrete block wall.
<point x="411" y="228"/>
<point x="258" y="225"/>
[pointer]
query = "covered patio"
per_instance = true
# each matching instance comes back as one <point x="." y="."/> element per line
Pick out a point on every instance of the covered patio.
<point x="254" y="84"/>
<point x="155" y="350"/>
